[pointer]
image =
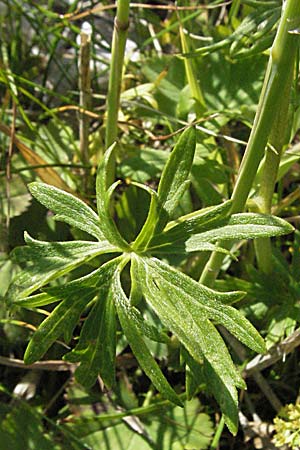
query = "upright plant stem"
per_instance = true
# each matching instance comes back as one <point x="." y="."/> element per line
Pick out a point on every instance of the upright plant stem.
<point x="190" y="69"/>
<point x="281" y="62"/>
<point x="115" y="79"/>
<point x="85" y="96"/>
<point x="218" y="434"/>
<point x="279" y="137"/>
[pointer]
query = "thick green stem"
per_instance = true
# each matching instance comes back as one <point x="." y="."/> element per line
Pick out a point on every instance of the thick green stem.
<point x="115" y="80"/>
<point x="279" y="137"/>
<point x="282" y="58"/>
<point x="218" y="434"/>
<point x="190" y="71"/>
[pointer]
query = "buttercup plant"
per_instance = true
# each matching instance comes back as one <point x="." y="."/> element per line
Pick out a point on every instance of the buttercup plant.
<point x="188" y="310"/>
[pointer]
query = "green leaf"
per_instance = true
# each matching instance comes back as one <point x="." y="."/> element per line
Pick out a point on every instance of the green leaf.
<point x="149" y="226"/>
<point x="142" y="166"/>
<point x="68" y="208"/>
<point x="19" y="198"/>
<point x="184" y="247"/>
<point x="244" y="226"/>
<point x="104" y="192"/>
<point x="62" y="319"/>
<point x="186" y="308"/>
<point x="74" y="297"/>
<point x="192" y="223"/>
<point x="173" y="180"/>
<point x="48" y="260"/>
<point x="96" y="349"/>
<point x="127" y="315"/>
<point x="252" y="29"/>
<point x="53" y="294"/>
<point x="167" y="427"/>
<point x="207" y="302"/>
<point x="189" y="233"/>
<point x="225" y="393"/>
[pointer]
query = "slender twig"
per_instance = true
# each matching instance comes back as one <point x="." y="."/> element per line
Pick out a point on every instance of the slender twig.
<point x="8" y="162"/>
<point x="85" y="94"/>
<point x="277" y="352"/>
<point x="258" y="377"/>
<point x="101" y="8"/>
<point x="51" y="365"/>
<point x="267" y="390"/>
<point x="125" y="361"/>
<point x="286" y="201"/>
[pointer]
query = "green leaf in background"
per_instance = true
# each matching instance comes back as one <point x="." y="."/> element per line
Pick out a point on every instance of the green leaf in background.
<point x="142" y="166"/>
<point x="18" y="201"/>
<point x="49" y="260"/>
<point x="132" y="329"/>
<point x="170" y="427"/>
<point x="254" y="26"/>
<point x="68" y="208"/>
<point x="22" y="428"/>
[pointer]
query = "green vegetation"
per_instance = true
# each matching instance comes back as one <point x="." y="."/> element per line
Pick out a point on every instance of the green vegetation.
<point x="149" y="211"/>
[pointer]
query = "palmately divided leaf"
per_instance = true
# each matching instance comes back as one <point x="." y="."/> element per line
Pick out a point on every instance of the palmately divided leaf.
<point x="104" y="191"/>
<point x="187" y="308"/>
<point x="175" y="238"/>
<point x="68" y="208"/>
<point x="134" y="334"/>
<point x="48" y="260"/>
<point x="208" y="303"/>
<point x="173" y="182"/>
<point x="186" y="320"/>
